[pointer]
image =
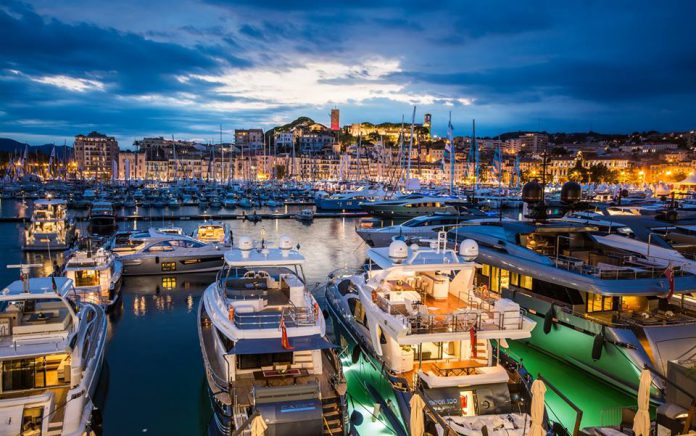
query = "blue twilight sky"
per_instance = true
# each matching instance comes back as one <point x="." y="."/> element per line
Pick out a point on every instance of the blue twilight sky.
<point x="134" y="68"/>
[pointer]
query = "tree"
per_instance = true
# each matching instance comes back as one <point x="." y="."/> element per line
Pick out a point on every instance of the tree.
<point x="280" y="171"/>
<point x="600" y="173"/>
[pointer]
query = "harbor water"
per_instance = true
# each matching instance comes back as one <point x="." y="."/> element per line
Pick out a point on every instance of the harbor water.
<point x="154" y="382"/>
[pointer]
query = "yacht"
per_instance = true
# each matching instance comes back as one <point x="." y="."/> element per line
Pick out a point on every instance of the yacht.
<point x="230" y="201"/>
<point x="96" y="276"/>
<point x="102" y="219"/>
<point x="353" y="200"/>
<point x="305" y="216"/>
<point x="606" y="308"/>
<point x="264" y="347"/>
<point x="213" y="232"/>
<point x="51" y="358"/>
<point x="155" y="253"/>
<point x="426" y="226"/>
<point x="415" y="315"/>
<point x="414" y="205"/>
<point x="50" y="227"/>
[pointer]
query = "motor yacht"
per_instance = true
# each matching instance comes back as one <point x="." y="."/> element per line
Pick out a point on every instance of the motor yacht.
<point x="606" y="308"/>
<point x="416" y="316"/>
<point x="213" y="232"/>
<point x="426" y="226"/>
<point x="102" y="219"/>
<point x="96" y="276"/>
<point x="156" y="253"/>
<point x="414" y="205"/>
<point x="305" y="216"/>
<point x="264" y="348"/>
<point x="51" y="358"/>
<point x="353" y="200"/>
<point x="50" y="227"/>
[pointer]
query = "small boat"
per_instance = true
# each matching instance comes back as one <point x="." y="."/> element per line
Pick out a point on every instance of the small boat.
<point x="173" y="203"/>
<point x="96" y="276"/>
<point x="264" y="347"/>
<point x="52" y="357"/>
<point x="230" y="202"/>
<point x="254" y="217"/>
<point x="50" y="227"/>
<point x="245" y="203"/>
<point x="305" y="216"/>
<point x="213" y="232"/>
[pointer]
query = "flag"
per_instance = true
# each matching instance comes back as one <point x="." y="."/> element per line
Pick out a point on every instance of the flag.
<point x="497" y="168"/>
<point x="284" y="341"/>
<point x="669" y="273"/>
<point x="53" y="156"/>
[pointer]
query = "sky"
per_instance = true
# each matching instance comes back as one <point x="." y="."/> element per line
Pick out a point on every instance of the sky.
<point x="133" y="68"/>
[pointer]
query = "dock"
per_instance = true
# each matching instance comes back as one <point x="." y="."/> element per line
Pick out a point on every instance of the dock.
<point x="206" y="216"/>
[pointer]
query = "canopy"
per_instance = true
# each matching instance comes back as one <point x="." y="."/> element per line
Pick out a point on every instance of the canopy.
<point x="641" y="422"/>
<point x="258" y="426"/>
<point x="416" y="419"/>
<point x="274" y="345"/>
<point x="538" y="408"/>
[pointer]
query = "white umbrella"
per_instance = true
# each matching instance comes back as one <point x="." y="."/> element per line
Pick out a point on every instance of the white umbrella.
<point x="641" y="422"/>
<point x="258" y="426"/>
<point x="416" y="419"/>
<point x="538" y="408"/>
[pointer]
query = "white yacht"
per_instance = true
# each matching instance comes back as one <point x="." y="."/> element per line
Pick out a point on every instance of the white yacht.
<point x="417" y="317"/>
<point x="305" y="216"/>
<point x="96" y="276"/>
<point x="49" y="228"/>
<point x="213" y="232"/>
<point x="426" y="226"/>
<point x="264" y="347"/>
<point x="158" y="253"/>
<point x="51" y="356"/>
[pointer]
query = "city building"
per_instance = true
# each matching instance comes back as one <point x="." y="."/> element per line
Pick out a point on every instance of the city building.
<point x="132" y="165"/>
<point x="96" y="154"/>
<point x="335" y="121"/>
<point x="248" y="138"/>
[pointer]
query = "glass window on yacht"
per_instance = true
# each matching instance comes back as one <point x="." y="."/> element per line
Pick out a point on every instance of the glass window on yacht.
<point x="599" y="303"/>
<point x="525" y="282"/>
<point x="31" y="420"/>
<point x="500" y="279"/>
<point x="39" y="372"/>
<point x="254" y="361"/>
<point x="514" y="279"/>
<point x="357" y="309"/>
<point x="162" y="246"/>
<point x="86" y="278"/>
<point x="632" y="303"/>
<point x="436" y="351"/>
<point x="485" y="270"/>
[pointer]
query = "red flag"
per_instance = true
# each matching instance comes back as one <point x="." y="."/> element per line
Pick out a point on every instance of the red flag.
<point x="669" y="273"/>
<point x="472" y="339"/>
<point x="284" y="341"/>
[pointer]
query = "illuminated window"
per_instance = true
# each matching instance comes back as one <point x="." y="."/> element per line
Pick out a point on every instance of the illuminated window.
<point x="168" y="266"/>
<point x="514" y="279"/>
<point x="525" y="282"/>
<point x="86" y="278"/>
<point x="599" y="303"/>
<point x="486" y="270"/>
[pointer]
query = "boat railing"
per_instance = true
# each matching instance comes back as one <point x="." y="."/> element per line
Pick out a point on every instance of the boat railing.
<point x="292" y="315"/>
<point x="464" y="322"/>
<point x="631" y="267"/>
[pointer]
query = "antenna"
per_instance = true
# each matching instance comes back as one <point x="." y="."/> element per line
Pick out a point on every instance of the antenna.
<point x="24" y="270"/>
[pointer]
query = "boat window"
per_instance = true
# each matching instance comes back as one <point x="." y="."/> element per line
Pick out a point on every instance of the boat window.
<point x="485" y="270"/>
<point x="357" y="309"/>
<point x="346" y="287"/>
<point x="557" y="292"/>
<point x="253" y="361"/>
<point x="599" y="303"/>
<point x="186" y="244"/>
<point x="87" y="278"/>
<point x="160" y="247"/>
<point x="38" y="372"/>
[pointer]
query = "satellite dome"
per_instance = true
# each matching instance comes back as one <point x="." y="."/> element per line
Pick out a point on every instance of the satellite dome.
<point x="571" y="193"/>
<point x="398" y="250"/>
<point x="468" y="250"/>
<point x="532" y="192"/>
<point x="245" y="243"/>
<point x="285" y="243"/>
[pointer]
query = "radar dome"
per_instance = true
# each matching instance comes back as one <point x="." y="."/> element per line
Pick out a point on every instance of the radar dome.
<point x="398" y="250"/>
<point x="285" y="243"/>
<point x="571" y="193"/>
<point x="468" y="250"/>
<point x="532" y="192"/>
<point x="245" y="243"/>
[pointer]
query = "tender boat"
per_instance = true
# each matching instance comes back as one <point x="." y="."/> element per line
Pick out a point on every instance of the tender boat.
<point x="52" y="356"/>
<point x="305" y="216"/>
<point x="213" y="232"/>
<point x="102" y="219"/>
<point x="50" y="227"/>
<point x="416" y="316"/>
<point x="96" y="276"/>
<point x="155" y="253"/>
<point x="264" y="347"/>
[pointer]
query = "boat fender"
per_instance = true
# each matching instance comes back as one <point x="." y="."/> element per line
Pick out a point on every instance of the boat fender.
<point x="548" y="319"/>
<point x="355" y="356"/>
<point x="598" y="345"/>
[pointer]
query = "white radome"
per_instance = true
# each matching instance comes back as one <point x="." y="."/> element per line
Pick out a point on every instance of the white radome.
<point x="285" y="243"/>
<point x="398" y="250"/>
<point x="245" y="243"/>
<point x="468" y="250"/>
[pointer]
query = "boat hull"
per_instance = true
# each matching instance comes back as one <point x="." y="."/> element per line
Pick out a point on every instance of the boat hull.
<point x="163" y="264"/>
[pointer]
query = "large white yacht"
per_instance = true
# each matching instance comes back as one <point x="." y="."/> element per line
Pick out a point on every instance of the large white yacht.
<point x="49" y="228"/>
<point x="51" y="356"/>
<point x="96" y="276"/>
<point x="416" y="315"/>
<point x="264" y="348"/>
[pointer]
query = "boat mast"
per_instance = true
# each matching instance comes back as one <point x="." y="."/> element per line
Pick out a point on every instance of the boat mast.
<point x="410" y="145"/>
<point x="450" y="134"/>
<point x="476" y="155"/>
